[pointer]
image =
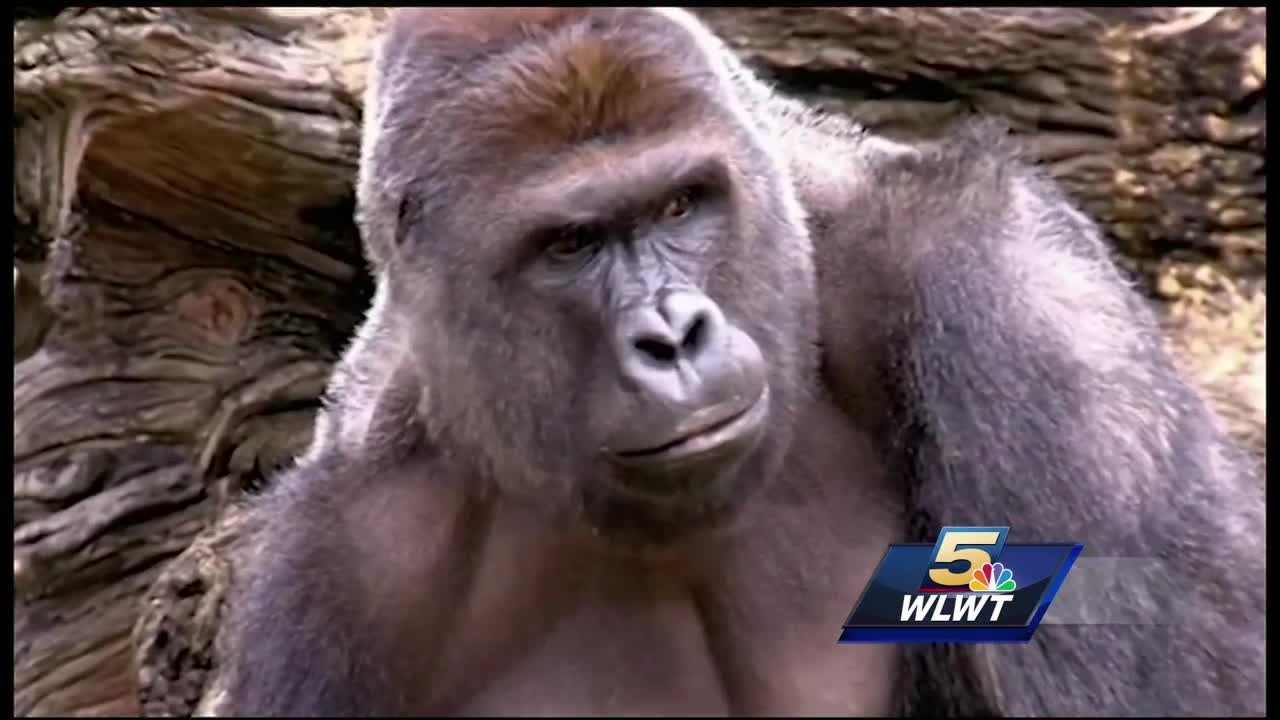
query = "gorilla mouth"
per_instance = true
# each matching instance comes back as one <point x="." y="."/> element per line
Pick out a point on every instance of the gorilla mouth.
<point x="720" y="429"/>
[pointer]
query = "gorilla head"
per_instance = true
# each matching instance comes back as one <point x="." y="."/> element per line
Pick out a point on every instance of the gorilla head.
<point x="596" y="311"/>
<point x="597" y="263"/>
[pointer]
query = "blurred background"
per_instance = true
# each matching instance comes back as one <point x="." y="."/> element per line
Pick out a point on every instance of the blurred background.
<point x="186" y="268"/>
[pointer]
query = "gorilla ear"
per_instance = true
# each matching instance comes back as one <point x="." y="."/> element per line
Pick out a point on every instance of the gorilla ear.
<point x="389" y="210"/>
<point x="375" y="213"/>
<point x="386" y="204"/>
<point x="385" y="209"/>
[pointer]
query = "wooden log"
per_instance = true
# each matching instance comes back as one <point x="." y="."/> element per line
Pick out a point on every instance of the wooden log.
<point x="1154" y="119"/>
<point x="189" y="265"/>
<point x="185" y="183"/>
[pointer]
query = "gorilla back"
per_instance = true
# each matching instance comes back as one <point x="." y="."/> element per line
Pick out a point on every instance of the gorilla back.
<point x="658" y="364"/>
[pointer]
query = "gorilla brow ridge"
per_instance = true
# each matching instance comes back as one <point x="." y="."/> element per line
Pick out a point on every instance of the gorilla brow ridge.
<point x="1028" y="385"/>
<point x="565" y="196"/>
<point x="534" y="79"/>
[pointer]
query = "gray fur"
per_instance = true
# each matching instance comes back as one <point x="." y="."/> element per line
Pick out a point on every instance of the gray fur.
<point x="1038" y="395"/>
<point x="972" y="324"/>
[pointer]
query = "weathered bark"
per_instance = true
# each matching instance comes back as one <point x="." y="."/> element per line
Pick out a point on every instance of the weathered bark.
<point x="189" y="266"/>
<point x="1154" y="119"/>
<point x="186" y="182"/>
<point x="31" y="317"/>
<point x="177" y="633"/>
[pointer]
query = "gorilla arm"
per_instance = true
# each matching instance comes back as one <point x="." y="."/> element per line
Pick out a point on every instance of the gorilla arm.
<point x="1028" y="387"/>
<point x="332" y="612"/>
<point x="335" y="620"/>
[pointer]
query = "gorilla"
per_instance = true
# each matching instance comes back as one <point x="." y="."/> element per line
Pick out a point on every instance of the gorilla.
<point x="660" y="362"/>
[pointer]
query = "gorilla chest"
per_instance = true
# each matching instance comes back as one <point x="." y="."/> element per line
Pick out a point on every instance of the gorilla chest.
<point x="751" y="630"/>
<point x="746" y="646"/>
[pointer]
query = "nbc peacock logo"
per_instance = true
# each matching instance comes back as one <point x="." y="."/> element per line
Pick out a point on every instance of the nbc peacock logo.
<point x="960" y="589"/>
<point x="982" y="579"/>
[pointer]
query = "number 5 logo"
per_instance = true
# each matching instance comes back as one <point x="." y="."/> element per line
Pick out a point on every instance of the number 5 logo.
<point x="976" y="546"/>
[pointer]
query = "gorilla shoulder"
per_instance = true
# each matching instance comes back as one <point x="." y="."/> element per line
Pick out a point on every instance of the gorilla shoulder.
<point x="608" y="420"/>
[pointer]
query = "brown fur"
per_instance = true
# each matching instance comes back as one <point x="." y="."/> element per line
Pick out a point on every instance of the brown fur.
<point x="947" y="342"/>
<point x="576" y="81"/>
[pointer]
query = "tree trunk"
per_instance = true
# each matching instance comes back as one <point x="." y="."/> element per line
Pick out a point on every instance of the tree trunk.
<point x="1152" y="118"/>
<point x="185" y="179"/>
<point x="187" y="269"/>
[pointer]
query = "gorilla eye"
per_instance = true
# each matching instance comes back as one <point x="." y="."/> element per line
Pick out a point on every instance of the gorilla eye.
<point x="680" y="205"/>
<point x="574" y="241"/>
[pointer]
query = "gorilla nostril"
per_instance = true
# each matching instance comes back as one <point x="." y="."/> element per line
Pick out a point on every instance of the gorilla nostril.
<point x="659" y="350"/>
<point x="679" y="327"/>
<point x="693" y="337"/>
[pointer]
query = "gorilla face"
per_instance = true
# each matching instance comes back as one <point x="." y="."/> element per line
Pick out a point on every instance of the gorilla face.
<point x="616" y="317"/>
<point x="682" y="387"/>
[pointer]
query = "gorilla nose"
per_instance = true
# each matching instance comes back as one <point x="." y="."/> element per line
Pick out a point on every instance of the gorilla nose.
<point x="700" y="383"/>
<point x="678" y="353"/>
<point x="680" y="327"/>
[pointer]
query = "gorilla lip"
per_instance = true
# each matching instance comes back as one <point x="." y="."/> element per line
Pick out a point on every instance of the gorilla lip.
<point x="726" y="424"/>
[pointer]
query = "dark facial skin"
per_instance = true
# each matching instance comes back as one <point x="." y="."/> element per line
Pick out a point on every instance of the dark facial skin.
<point x="681" y="392"/>
<point x="695" y="383"/>
<point x="665" y="372"/>
<point x="626" y="432"/>
<point x="699" y="382"/>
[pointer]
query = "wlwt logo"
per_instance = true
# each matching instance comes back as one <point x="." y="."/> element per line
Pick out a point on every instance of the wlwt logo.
<point x="960" y="589"/>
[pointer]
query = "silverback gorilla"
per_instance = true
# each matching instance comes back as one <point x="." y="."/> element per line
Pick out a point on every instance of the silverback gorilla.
<point x="660" y="362"/>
